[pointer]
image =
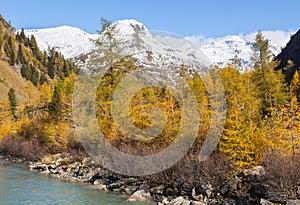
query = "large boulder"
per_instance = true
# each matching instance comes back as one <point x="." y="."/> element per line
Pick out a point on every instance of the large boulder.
<point x="258" y="171"/>
<point x="38" y="166"/>
<point x="179" y="201"/>
<point x="140" y="195"/>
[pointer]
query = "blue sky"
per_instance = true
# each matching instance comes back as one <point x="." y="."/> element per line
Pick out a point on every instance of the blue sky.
<point x="212" y="18"/>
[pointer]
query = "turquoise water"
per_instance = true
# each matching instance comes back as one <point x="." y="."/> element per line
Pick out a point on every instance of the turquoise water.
<point x="20" y="186"/>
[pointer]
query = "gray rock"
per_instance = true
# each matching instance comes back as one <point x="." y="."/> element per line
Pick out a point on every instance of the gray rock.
<point x="101" y="187"/>
<point x="265" y="202"/>
<point x="247" y="172"/>
<point x="258" y="171"/>
<point x="101" y="181"/>
<point x="57" y="170"/>
<point x="38" y="166"/>
<point x="157" y="190"/>
<point x="116" y="185"/>
<point x="180" y="201"/>
<point x="72" y="179"/>
<point x="86" y="161"/>
<point x="293" y="202"/>
<point x="130" y="189"/>
<point x="140" y="195"/>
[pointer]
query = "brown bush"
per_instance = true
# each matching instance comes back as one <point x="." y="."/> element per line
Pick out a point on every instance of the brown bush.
<point x="20" y="147"/>
<point x="214" y="170"/>
<point x="283" y="173"/>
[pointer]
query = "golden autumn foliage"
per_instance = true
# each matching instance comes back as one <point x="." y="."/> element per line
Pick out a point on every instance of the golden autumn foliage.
<point x="248" y="132"/>
<point x="34" y="122"/>
<point x="263" y="113"/>
<point x="242" y="138"/>
<point x="45" y="94"/>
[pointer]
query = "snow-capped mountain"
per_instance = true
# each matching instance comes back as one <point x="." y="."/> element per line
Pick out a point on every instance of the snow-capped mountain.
<point x="72" y="42"/>
<point x="152" y="50"/>
<point x="221" y="51"/>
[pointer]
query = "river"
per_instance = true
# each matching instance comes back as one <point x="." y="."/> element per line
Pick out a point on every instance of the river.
<point x="20" y="186"/>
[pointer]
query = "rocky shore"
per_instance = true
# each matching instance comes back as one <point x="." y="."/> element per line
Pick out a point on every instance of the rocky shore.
<point x="245" y="188"/>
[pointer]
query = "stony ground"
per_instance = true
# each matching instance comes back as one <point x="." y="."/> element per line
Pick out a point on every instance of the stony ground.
<point x="244" y="188"/>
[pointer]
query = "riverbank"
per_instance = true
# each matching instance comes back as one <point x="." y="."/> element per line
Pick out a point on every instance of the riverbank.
<point x="247" y="187"/>
<point x="18" y="185"/>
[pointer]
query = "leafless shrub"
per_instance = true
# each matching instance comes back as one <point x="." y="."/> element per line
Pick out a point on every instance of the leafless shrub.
<point x="283" y="173"/>
<point x="20" y="147"/>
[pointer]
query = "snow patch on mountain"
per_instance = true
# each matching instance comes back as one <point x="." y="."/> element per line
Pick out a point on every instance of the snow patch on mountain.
<point x="70" y="41"/>
<point x="73" y="42"/>
<point x="221" y="51"/>
<point x="152" y="50"/>
<point x="130" y="26"/>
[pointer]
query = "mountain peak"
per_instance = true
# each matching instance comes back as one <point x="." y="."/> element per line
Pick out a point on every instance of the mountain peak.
<point x="130" y="26"/>
<point x="63" y="28"/>
<point x="70" y="41"/>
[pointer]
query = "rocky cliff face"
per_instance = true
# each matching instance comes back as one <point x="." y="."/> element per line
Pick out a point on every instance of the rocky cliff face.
<point x="290" y="52"/>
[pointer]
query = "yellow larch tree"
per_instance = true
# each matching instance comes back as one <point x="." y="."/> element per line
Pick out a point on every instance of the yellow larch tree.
<point x="242" y="138"/>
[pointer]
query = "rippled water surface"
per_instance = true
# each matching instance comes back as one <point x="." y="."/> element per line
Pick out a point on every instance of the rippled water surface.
<point x="20" y="186"/>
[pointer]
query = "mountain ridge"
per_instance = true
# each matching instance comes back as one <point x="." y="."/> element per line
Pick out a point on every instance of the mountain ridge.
<point x="23" y="66"/>
<point x="290" y="55"/>
<point x="72" y="42"/>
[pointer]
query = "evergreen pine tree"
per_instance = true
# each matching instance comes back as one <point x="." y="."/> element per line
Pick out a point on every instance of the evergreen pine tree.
<point x="34" y="75"/>
<point x="22" y="35"/>
<point x="66" y="68"/>
<point x="9" y="50"/>
<point x="34" y="47"/>
<point x="45" y="59"/>
<point x="18" y="38"/>
<point x="26" y="71"/>
<point x="262" y="54"/>
<point x="27" y="42"/>
<point x="271" y="88"/>
<point x="12" y="102"/>
<point x="51" y="69"/>
<point x="55" y="107"/>
<point x="52" y="63"/>
<point x="20" y="56"/>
